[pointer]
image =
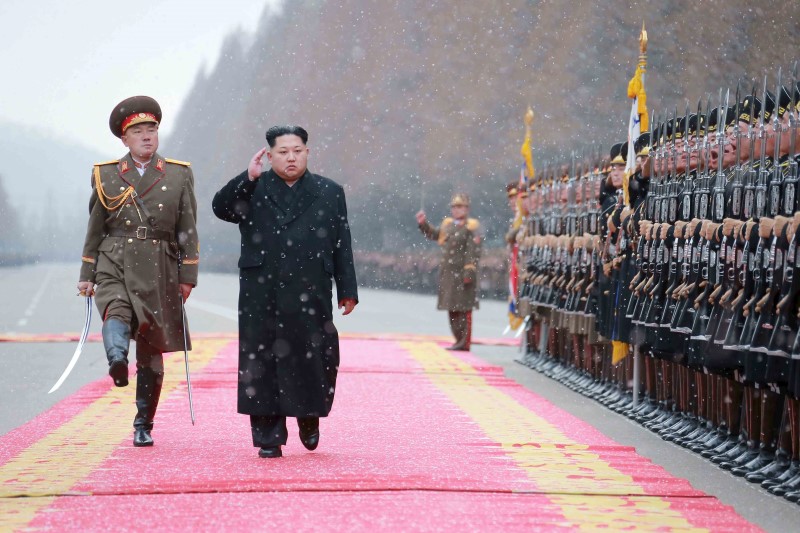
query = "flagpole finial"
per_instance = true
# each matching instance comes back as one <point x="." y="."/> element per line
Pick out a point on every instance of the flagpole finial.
<point x="643" y="40"/>
<point x="529" y="117"/>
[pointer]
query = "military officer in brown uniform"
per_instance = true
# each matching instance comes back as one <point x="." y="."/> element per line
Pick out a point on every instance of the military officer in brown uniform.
<point x="140" y="256"/>
<point x="460" y="239"/>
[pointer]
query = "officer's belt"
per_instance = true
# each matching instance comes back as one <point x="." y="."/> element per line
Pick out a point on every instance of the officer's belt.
<point x="142" y="233"/>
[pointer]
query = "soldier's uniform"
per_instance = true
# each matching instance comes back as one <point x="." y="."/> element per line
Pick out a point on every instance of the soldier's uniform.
<point x="458" y="270"/>
<point x="141" y="243"/>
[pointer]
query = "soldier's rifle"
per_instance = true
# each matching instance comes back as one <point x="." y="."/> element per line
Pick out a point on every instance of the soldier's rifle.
<point x="660" y="201"/>
<point x="790" y="182"/>
<point x="688" y="183"/>
<point x="583" y="205"/>
<point x="776" y="184"/>
<point x="750" y="182"/>
<point x="672" y="213"/>
<point x="572" y="214"/>
<point x="703" y="189"/>
<point x="763" y="175"/>
<point x="737" y="189"/>
<point x="720" y="180"/>
<point x="650" y="198"/>
<point x="593" y="197"/>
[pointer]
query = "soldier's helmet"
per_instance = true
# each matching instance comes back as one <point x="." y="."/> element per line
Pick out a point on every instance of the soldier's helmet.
<point x="459" y="198"/>
<point x="133" y="110"/>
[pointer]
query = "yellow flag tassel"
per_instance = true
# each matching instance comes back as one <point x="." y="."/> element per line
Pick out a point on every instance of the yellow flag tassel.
<point x="626" y="195"/>
<point x="525" y="150"/>
<point x="619" y="351"/>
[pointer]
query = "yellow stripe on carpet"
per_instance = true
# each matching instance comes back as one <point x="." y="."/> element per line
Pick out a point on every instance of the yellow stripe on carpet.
<point x="30" y="481"/>
<point x="591" y="493"/>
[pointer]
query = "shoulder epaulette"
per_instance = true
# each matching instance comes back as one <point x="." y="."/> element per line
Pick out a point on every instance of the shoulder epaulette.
<point x="176" y="162"/>
<point x="447" y="221"/>
<point x="473" y="224"/>
<point x="112" y="162"/>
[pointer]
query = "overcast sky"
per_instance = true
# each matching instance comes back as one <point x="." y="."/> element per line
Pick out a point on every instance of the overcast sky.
<point x="66" y="64"/>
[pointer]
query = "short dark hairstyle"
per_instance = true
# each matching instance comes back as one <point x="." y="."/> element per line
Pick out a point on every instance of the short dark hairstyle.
<point x="276" y="131"/>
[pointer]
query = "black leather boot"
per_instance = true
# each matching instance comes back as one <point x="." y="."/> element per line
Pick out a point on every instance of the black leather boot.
<point x="148" y="392"/>
<point x="771" y="470"/>
<point x="750" y="453"/>
<point x="788" y="486"/>
<point x="116" y="340"/>
<point x="765" y="457"/>
<point x="732" y="452"/>
<point x="786" y="475"/>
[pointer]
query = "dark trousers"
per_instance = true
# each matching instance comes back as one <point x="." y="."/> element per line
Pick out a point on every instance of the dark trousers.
<point x="269" y="431"/>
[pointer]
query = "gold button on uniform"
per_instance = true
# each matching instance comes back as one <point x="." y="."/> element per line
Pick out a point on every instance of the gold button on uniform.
<point x="130" y="240"/>
<point x="122" y="188"/>
<point x="155" y="241"/>
<point x="127" y="222"/>
<point x="163" y="187"/>
<point x="160" y="206"/>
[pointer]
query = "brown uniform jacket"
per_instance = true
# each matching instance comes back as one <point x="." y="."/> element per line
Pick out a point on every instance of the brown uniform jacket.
<point x="461" y="251"/>
<point x="142" y="260"/>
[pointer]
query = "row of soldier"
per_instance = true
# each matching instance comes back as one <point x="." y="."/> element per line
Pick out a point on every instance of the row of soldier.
<point x="690" y="262"/>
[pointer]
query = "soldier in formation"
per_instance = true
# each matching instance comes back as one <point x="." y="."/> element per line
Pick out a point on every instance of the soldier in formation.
<point x="693" y="264"/>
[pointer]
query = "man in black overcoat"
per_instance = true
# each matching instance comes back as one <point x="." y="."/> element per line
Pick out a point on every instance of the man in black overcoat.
<point x="295" y="239"/>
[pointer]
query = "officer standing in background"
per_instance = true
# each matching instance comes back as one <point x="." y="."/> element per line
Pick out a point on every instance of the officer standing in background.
<point x="460" y="239"/>
<point x="140" y="256"/>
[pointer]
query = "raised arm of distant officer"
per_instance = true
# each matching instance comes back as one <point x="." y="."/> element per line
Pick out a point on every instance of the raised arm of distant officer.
<point x="430" y="231"/>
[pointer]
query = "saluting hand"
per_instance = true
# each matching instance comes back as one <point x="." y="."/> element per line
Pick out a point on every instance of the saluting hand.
<point x="255" y="167"/>
<point x="421" y="218"/>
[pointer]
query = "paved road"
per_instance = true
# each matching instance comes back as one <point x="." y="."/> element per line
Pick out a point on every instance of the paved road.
<point x="41" y="299"/>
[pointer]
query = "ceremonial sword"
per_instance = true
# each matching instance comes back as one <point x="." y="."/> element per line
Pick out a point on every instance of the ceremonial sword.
<point x="86" y="323"/>
<point x="186" y="359"/>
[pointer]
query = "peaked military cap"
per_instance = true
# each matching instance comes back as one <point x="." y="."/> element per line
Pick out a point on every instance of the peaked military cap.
<point x="512" y="189"/>
<point x="615" y="155"/>
<point x="459" y="198"/>
<point x="680" y="128"/>
<point x="657" y="134"/>
<point x="782" y="104"/>
<point x="133" y="110"/>
<point x="797" y="96"/>
<point x="642" y="145"/>
<point x="669" y="127"/>
<point x="749" y="110"/>
<point x="697" y="124"/>
<point x="713" y="119"/>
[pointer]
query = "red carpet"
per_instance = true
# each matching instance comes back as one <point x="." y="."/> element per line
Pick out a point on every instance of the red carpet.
<point x="419" y="439"/>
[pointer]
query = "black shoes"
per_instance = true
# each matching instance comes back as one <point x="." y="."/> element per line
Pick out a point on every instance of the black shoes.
<point x="118" y="370"/>
<point x="141" y="437"/>
<point x="310" y="440"/>
<point x="271" y="452"/>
